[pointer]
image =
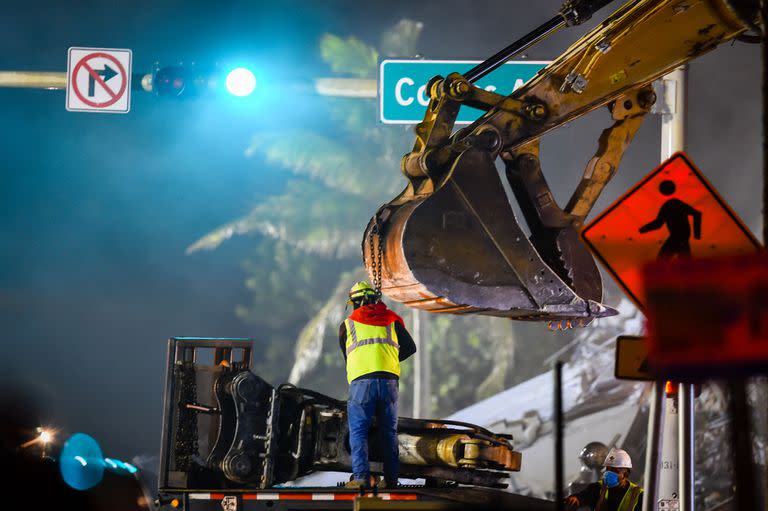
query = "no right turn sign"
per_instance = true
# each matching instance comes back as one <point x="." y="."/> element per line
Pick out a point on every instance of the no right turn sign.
<point x="99" y="80"/>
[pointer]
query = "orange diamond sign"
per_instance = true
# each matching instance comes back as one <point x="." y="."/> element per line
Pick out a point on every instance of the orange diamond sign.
<point x="673" y="213"/>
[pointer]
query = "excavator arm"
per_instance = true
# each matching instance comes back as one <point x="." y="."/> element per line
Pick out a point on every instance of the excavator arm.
<point x="450" y="242"/>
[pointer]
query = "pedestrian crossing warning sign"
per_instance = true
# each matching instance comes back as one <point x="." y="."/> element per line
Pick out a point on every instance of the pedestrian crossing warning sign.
<point x="673" y="213"/>
<point x="631" y="358"/>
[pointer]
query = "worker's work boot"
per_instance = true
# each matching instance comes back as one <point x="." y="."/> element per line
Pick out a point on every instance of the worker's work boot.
<point x="357" y="483"/>
<point x="385" y="485"/>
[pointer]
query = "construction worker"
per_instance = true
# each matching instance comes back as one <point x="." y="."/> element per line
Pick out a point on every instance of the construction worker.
<point x="374" y="341"/>
<point x="614" y="491"/>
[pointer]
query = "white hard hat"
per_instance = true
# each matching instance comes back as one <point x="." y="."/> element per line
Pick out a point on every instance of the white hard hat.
<point x="618" y="458"/>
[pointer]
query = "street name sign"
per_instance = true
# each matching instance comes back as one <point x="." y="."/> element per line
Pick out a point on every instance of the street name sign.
<point x="672" y="213"/>
<point x="99" y="80"/>
<point x="403" y="97"/>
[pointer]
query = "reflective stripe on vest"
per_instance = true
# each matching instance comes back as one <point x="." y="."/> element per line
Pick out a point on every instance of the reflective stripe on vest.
<point x="628" y="501"/>
<point x="370" y="349"/>
<point x="374" y="340"/>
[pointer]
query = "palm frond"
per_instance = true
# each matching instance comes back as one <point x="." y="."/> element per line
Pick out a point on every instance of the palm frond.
<point x="501" y="336"/>
<point x="307" y="216"/>
<point x="278" y="274"/>
<point x="309" y="345"/>
<point x="336" y="165"/>
<point x="349" y="56"/>
<point x="213" y="239"/>
<point x="400" y="40"/>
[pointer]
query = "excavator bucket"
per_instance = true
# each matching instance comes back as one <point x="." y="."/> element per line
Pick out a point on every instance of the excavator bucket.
<point x="461" y="250"/>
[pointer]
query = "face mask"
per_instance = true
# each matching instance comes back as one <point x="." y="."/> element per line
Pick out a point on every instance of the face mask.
<point x="611" y="479"/>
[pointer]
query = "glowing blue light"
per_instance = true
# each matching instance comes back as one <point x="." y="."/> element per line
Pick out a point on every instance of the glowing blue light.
<point x="74" y="464"/>
<point x="118" y="465"/>
<point x="241" y="82"/>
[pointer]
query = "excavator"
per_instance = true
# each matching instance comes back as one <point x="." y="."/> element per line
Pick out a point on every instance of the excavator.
<point x="450" y="242"/>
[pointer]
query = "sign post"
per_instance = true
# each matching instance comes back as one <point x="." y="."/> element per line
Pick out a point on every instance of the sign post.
<point x="99" y="80"/>
<point x="673" y="130"/>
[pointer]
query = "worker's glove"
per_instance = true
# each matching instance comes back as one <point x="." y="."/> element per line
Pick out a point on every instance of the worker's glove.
<point x="572" y="502"/>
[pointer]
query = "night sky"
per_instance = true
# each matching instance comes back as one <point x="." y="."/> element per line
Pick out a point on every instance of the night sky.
<point x="98" y="209"/>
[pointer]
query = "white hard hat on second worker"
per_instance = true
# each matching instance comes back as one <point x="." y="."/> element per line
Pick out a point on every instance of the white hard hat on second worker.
<point x="618" y="458"/>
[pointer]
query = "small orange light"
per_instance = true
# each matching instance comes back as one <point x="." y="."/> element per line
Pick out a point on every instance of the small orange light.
<point x="670" y="389"/>
<point x="175" y="503"/>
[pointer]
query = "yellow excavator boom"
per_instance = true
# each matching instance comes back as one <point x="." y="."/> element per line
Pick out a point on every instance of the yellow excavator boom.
<point x="450" y="241"/>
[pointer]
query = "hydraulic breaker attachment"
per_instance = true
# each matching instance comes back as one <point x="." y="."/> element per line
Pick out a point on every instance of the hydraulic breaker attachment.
<point x="284" y="433"/>
<point x="257" y="436"/>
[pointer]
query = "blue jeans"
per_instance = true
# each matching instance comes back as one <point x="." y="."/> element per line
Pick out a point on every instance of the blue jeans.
<point x="368" y="398"/>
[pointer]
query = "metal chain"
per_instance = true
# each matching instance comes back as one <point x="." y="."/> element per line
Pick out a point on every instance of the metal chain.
<point x="186" y="445"/>
<point x="266" y="464"/>
<point x="376" y="260"/>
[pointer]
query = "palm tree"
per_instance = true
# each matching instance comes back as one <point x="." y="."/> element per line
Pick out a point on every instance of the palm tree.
<point x="314" y="229"/>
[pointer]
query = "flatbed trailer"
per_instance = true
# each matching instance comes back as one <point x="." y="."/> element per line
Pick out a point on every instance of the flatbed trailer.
<point x="340" y="498"/>
<point x="232" y="442"/>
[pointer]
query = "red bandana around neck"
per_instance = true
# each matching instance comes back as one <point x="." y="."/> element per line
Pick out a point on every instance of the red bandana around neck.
<point x="376" y="314"/>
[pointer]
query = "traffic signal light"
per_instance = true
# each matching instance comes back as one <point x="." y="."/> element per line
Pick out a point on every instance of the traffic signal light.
<point x="170" y="81"/>
<point x="186" y="81"/>
<point x="181" y="81"/>
<point x="241" y="82"/>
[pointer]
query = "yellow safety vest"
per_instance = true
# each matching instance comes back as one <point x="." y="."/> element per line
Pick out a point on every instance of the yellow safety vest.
<point x="628" y="502"/>
<point x="371" y="348"/>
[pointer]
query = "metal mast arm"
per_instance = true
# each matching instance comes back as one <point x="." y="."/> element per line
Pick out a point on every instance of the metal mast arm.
<point x="572" y="13"/>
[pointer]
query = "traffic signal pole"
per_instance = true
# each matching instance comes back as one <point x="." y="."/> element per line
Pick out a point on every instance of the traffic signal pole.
<point x="50" y="80"/>
<point x="57" y="80"/>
